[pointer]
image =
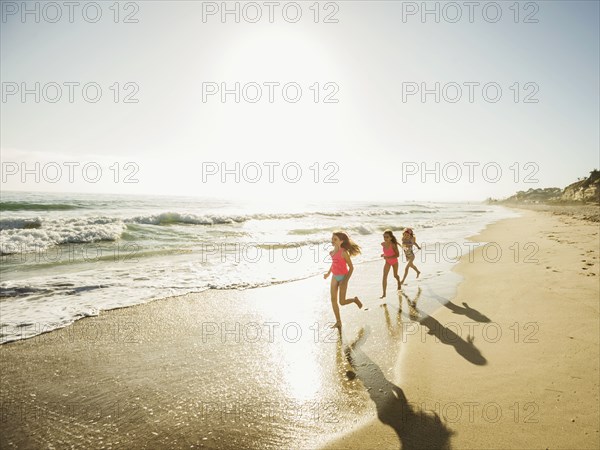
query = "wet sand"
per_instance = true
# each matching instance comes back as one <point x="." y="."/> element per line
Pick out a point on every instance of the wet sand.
<point x="260" y="369"/>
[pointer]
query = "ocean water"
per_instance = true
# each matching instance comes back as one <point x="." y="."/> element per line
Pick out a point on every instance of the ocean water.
<point x="68" y="256"/>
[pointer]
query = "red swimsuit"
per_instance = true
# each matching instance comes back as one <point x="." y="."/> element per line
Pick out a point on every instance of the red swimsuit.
<point x="390" y="252"/>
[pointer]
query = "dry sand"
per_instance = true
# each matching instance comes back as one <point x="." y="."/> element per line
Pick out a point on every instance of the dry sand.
<point x="227" y="369"/>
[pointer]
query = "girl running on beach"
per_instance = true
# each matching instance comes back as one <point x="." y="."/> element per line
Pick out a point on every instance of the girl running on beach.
<point x="408" y="240"/>
<point x="390" y="254"/>
<point x="341" y="268"/>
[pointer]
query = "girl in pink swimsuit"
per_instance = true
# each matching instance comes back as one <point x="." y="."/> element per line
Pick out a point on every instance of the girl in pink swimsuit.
<point x="390" y="254"/>
<point x="341" y="268"/>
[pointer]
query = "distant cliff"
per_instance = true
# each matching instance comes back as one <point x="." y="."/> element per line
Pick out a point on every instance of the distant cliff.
<point x="586" y="190"/>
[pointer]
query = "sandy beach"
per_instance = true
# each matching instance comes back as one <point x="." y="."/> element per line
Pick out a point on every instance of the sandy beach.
<point x="510" y="361"/>
<point x="534" y="320"/>
<point x="180" y="209"/>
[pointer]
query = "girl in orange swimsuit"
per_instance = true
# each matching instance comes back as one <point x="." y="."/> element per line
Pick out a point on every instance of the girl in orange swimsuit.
<point x="390" y="254"/>
<point x="408" y="240"/>
<point x="341" y="268"/>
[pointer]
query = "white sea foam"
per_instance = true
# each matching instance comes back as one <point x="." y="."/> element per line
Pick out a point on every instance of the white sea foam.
<point x="60" y="231"/>
<point x="179" y="218"/>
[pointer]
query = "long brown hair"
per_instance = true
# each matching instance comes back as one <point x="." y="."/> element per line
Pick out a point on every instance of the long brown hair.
<point x="391" y="233"/>
<point x="347" y="244"/>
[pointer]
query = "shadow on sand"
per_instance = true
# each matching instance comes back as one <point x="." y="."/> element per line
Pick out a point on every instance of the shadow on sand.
<point x="416" y="429"/>
<point x="443" y="334"/>
<point x="465" y="310"/>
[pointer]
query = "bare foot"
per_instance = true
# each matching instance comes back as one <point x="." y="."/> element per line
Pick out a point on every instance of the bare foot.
<point x="399" y="286"/>
<point x="383" y="296"/>
<point x="337" y="325"/>
<point x="358" y="302"/>
<point x="418" y="273"/>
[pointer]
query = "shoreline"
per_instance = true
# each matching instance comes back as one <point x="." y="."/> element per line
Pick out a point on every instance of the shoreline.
<point x="49" y="326"/>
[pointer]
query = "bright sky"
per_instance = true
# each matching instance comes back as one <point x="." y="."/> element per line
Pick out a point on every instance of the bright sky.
<point x="373" y="141"/>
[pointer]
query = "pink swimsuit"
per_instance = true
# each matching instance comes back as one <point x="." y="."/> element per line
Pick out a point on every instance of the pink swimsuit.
<point x="338" y="265"/>
<point x="390" y="252"/>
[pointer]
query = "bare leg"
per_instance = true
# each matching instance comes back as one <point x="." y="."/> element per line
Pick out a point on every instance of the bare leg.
<point x="411" y="264"/>
<point x="334" y="304"/>
<point x="347" y="301"/>
<point x="405" y="272"/>
<point x="386" y="271"/>
<point x="395" y="266"/>
<point x="343" y="289"/>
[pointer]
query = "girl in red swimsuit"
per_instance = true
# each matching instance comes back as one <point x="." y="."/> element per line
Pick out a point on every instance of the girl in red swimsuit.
<point x="341" y="268"/>
<point x="390" y="254"/>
